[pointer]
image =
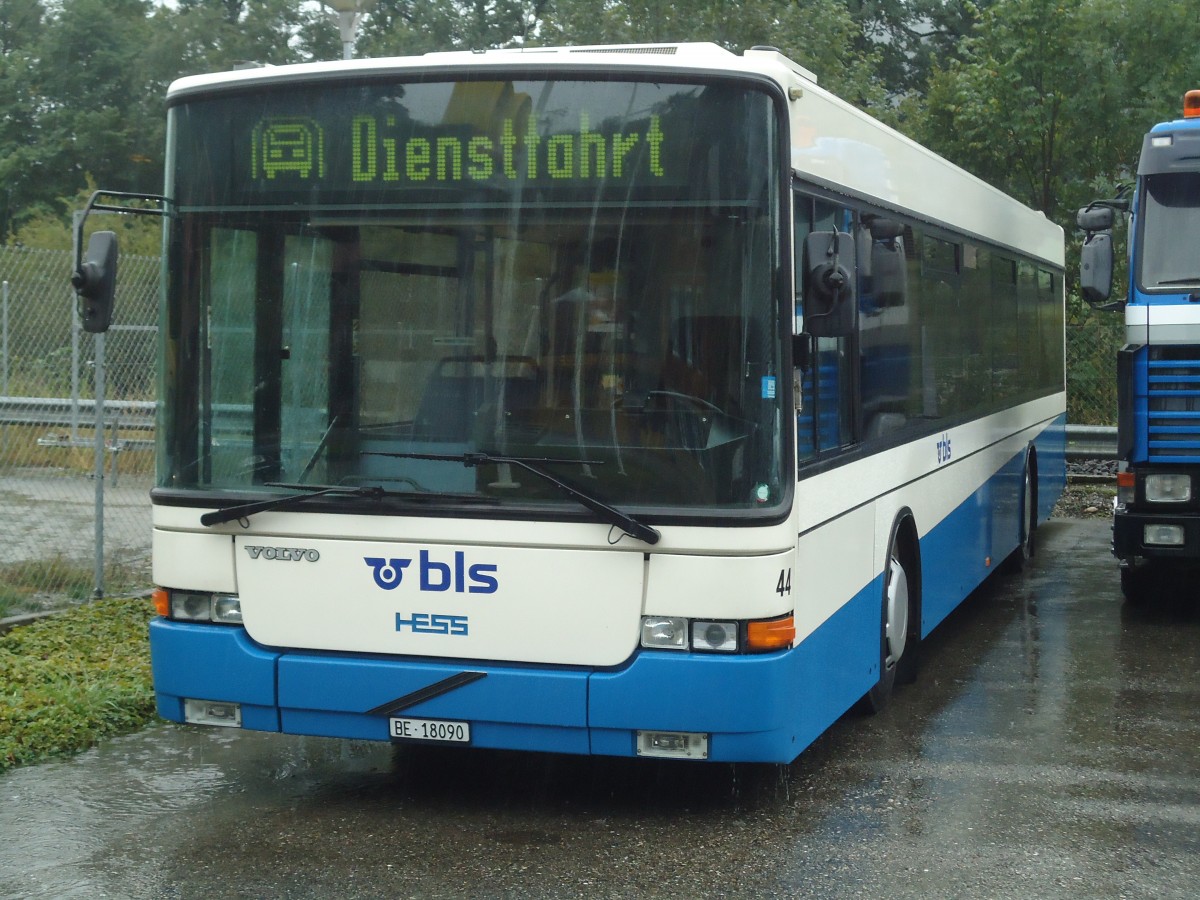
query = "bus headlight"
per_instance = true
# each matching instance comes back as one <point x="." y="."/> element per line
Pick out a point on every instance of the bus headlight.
<point x="1172" y="488"/>
<point x="716" y="637"/>
<point x="664" y="632"/>
<point x="196" y="606"/>
<point x="226" y="609"/>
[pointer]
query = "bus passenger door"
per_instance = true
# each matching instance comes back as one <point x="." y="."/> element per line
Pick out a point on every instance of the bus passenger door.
<point x="825" y="421"/>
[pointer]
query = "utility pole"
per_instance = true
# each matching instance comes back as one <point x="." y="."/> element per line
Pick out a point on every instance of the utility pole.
<point x="349" y="13"/>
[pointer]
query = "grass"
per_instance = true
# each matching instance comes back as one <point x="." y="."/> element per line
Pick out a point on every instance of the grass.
<point x="70" y="680"/>
<point x="56" y="582"/>
<point x="19" y="448"/>
<point x="59" y="577"/>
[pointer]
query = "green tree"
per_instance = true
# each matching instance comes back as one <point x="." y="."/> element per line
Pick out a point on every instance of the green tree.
<point x="20" y="24"/>
<point x="404" y="27"/>
<point x="818" y="34"/>
<point x="1050" y="98"/>
<point x="911" y="36"/>
<point x="70" y="98"/>
<point x="1016" y="110"/>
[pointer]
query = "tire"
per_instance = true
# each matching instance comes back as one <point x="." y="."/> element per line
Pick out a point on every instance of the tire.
<point x="1029" y="517"/>
<point x="1029" y="520"/>
<point x="1140" y="585"/>
<point x="897" y="651"/>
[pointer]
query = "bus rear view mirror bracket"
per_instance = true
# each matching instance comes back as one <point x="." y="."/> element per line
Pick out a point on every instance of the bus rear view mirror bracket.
<point x="95" y="275"/>
<point x="829" y="292"/>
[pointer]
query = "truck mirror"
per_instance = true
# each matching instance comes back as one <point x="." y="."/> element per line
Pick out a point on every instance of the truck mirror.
<point x="1095" y="218"/>
<point x="1096" y="267"/>
<point x="95" y="282"/>
<point x="829" y="295"/>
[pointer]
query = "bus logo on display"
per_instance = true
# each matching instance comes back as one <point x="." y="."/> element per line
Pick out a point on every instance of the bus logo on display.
<point x="291" y="144"/>
<point x="435" y="576"/>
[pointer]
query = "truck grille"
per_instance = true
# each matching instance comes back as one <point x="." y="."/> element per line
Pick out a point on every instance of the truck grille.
<point x="1174" y="404"/>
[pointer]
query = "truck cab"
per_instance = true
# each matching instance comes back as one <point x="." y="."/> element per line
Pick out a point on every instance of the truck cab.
<point x="1156" y="523"/>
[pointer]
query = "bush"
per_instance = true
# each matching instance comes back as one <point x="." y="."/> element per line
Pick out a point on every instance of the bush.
<point x="72" y="679"/>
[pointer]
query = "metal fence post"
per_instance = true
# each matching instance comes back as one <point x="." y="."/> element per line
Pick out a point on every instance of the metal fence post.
<point x="98" y="470"/>
<point x="4" y="364"/>
<point x="75" y="329"/>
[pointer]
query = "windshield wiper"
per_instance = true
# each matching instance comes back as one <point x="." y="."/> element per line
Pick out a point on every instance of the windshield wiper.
<point x="534" y="465"/>
<point x="308" y="491"/>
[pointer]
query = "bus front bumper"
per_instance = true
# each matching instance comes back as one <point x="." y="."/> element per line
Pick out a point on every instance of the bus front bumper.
<point x="746" y="706"/>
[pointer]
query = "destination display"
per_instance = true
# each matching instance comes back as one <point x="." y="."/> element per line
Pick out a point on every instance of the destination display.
<point x="404" y="143"/>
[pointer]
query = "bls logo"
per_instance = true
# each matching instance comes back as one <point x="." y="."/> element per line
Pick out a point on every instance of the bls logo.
<point x="436" y="576"/>
<point x="943" y="449"/>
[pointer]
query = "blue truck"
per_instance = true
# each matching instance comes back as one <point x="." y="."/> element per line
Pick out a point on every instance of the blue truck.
<point x="1156" y="522"/>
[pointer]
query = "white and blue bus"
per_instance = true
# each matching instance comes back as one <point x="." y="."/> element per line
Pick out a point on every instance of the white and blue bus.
<point x="637" y="401"/>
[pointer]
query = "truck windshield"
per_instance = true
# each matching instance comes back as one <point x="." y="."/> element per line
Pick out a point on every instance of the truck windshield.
<point x="365" y="276"/>
<point x="1169" y="258"/>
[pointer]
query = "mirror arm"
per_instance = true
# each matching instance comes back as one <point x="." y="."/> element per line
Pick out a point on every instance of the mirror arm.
<point x="802" y="351"/>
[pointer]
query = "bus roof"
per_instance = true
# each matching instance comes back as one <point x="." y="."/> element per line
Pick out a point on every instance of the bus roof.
<point x="833" y="143"/>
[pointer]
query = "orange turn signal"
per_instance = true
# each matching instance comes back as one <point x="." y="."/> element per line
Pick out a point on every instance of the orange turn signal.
<point x="770" y="634"/>
<point x="162" y="601"/>
<point x="1191" y="105"/>
<point x="1125" y="479"/>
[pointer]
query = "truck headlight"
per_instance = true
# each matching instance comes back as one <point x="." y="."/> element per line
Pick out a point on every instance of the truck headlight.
<point x="1168" y="488"/>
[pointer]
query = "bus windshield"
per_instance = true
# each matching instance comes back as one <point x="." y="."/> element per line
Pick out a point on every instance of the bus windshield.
<point x="582" y="273"/>
<point x="1171" y="219"/>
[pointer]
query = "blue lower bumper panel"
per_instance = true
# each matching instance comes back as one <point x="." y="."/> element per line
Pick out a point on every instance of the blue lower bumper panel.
<point x="750" y="706"/>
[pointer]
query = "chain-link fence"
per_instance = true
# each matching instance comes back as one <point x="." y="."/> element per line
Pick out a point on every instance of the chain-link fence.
<point x="54" y="549"/>
<point x="1093" y="339"/>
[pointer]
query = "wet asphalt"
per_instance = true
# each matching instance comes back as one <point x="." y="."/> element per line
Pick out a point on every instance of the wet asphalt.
<point x="1050" y="748"/>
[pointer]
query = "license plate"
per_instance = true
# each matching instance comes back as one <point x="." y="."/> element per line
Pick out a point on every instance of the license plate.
<point x="437" y="730"/>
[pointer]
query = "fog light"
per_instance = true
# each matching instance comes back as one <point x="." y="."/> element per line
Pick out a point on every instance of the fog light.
<point x="212" y="712"/>
<point x="664" y="632"/>
<point x="672" y="744"/>
<point x="1174" y="488"/>
<point x="718" y="637"/>
<point x="1163" y="535"/>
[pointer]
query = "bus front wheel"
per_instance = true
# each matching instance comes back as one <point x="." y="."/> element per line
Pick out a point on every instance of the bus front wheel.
<point x="898" y="640"/>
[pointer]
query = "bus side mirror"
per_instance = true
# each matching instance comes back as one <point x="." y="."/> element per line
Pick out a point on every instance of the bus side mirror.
<point x="829" y="296"/>
<point x="95" y="282"/>
<point x="1096" y="267"/>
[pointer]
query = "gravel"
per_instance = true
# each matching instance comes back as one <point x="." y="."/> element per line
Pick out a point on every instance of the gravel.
<point x="1088" y="501"/>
